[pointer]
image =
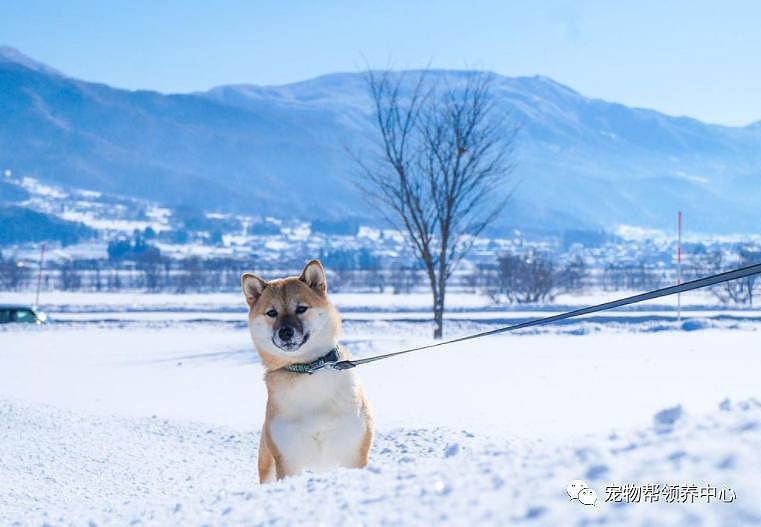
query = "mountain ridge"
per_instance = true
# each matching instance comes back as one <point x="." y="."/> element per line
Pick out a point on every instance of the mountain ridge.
<point x="281" y="150"/>
<point x="11" y="54"/>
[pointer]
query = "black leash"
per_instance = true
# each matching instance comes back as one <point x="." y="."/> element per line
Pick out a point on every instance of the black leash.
<point x="666" y="291"/>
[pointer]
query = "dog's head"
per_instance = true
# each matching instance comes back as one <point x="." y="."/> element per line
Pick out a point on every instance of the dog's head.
<point x="291" y="318"/>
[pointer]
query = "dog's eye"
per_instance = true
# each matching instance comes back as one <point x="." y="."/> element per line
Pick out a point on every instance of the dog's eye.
<point x="301" y="309"/>
<point x="271" y="313"/>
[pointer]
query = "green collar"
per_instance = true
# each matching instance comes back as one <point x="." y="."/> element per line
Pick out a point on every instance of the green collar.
<point x="330" y="357"/>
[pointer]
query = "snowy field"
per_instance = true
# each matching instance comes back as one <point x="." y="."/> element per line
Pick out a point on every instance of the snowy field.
<point x="119" y="415"/>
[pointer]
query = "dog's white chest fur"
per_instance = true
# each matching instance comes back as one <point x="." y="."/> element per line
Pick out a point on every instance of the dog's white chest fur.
<point x="319" y="424"/>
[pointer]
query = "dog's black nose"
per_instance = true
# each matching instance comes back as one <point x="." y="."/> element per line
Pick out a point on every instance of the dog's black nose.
<point x="285" y="333"/>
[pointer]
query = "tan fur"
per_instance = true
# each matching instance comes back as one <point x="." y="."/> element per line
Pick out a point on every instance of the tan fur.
<point x="317" y="421"/>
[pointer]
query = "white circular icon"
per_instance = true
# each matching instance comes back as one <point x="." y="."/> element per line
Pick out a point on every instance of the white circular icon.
<point x="587" y="496"/>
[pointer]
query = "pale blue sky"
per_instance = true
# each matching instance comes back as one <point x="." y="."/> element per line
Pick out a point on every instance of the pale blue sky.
<point x="695" y="58"/>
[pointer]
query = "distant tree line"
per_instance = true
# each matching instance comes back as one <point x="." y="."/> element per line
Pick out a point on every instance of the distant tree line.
<point x="704" y="261"/>
<point x="528" y="277"/>
<point x="192" y="274"/>
<point x="521" y="277"/>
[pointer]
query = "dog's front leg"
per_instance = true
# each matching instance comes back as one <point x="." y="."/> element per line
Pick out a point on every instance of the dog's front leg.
<point x="283" y="469"/>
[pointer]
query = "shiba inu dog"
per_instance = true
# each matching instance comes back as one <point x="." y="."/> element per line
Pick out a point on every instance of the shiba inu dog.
<point x="317" y="418"/>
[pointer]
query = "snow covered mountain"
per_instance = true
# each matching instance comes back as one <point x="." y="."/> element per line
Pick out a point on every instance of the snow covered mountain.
<point x="282" y="150"/>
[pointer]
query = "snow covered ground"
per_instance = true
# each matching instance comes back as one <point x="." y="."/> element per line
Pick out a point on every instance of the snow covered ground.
<point x="154" y="420"/>
<point x="73" y="301"/>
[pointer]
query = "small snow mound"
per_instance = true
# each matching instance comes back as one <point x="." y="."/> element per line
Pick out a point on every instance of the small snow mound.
<point x="452" y="450"/>
<point x="694" y="325"/>
<point x="666" y="418"/>
<point x="442" y="487"/>
<point x="596" y="472"/>
<point x="535" y="512"/>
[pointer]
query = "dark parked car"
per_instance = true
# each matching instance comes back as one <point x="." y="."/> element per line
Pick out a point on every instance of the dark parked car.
<point x="21" y="314"/>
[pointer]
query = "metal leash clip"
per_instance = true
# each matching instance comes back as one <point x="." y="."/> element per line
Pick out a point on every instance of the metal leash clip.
<point x="342" y="365"/>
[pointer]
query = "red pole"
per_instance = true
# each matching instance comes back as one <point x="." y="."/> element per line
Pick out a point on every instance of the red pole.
<point x="679" y="263"/>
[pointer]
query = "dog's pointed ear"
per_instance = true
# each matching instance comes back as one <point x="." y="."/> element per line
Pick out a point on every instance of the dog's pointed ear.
<point x="313" y="275"/>
<point x="252" y="287"/>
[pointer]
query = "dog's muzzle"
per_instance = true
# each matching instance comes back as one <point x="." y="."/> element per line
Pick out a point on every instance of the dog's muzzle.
<point x="288" y="338"/>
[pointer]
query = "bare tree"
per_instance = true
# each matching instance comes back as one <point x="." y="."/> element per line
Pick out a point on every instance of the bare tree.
<point x="402" y="279"/>
<point x="12" y="275"/>
<point x="441" y="174"/>
<point x="571" y="277"/>
<point x="740" y="291"/>
<point x="527" y="278"/>
<point x="70" y="276"/>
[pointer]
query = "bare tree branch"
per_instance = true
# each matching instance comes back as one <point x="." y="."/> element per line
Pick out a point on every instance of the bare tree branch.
<point x="445" y="159"/>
